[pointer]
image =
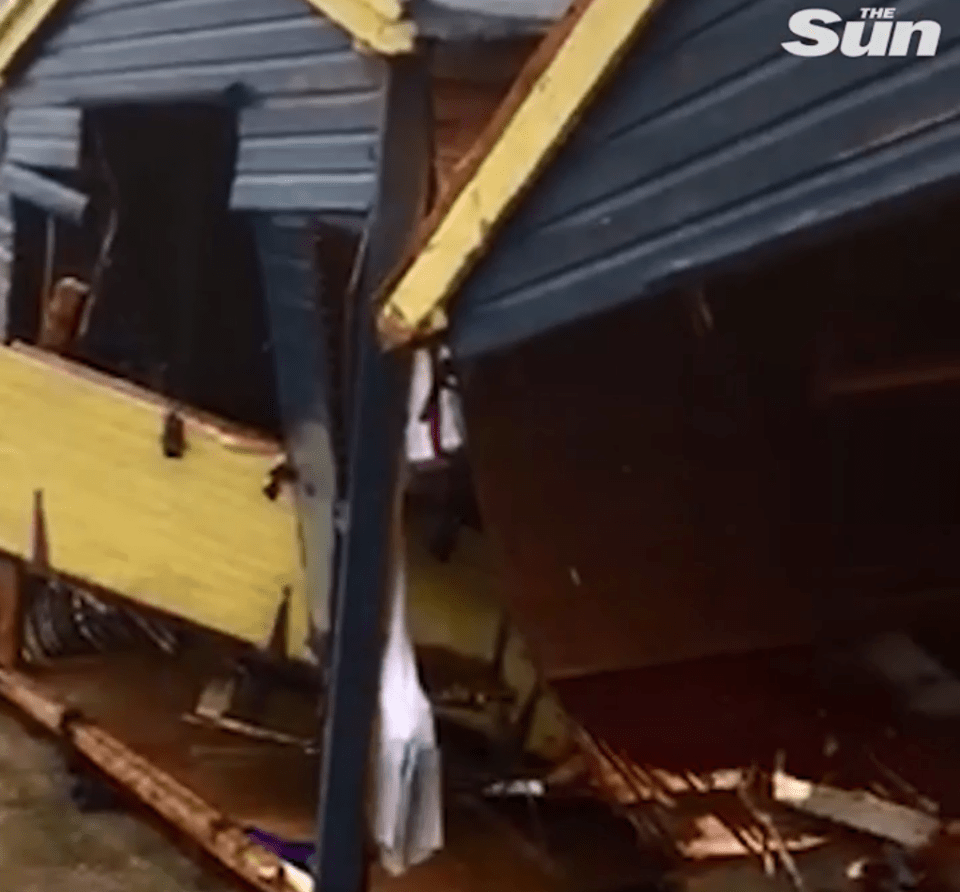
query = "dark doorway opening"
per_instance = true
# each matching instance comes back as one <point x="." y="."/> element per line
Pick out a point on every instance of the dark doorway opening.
<point x="175" y="301"/>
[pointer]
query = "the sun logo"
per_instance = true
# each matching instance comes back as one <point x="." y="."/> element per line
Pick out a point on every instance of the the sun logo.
<point x="874" y="34"/>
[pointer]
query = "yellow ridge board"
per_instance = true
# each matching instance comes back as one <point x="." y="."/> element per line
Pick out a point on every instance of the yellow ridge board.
<point x="548" y="108"/>
<point x="366" y="23"/>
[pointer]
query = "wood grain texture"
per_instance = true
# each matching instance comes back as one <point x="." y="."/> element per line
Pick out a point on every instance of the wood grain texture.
<point x="11" y="611"/>
<point x="629" y="483"/>
<point x="193" y="536"/>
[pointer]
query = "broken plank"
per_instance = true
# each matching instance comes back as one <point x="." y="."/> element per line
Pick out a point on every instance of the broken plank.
<point x="858" y="810"/>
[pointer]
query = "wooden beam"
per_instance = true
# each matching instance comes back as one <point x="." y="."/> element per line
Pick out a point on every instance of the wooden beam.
<point x="18" y="23"/>
<point x="44" y="192"/>
<point x="388" y="9"/>
<point x="367" y="23"/>
<point x="557" y="85"/>
<point x="291" y="285"/>
<point x="379" y="392"/>
<point x="164" y="794"/>
<point x="11" y="612"/>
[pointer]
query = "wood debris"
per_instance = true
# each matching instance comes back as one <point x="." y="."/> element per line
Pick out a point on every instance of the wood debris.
<point x="858" y="810"/>
<point x="247" y="729"/>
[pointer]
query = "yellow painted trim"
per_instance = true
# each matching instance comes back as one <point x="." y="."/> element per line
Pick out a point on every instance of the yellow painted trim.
<point x="18" y="23"/>
<point x="377" y="24"/>
<point x="550" y="108"/>
<point x="193" y="536"/>
<point x="367" y="24"/>
<point x="387" y="9"/>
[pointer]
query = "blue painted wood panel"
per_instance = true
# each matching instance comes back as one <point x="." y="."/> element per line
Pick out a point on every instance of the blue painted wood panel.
<point x="44" y="137"/>
<point x="710" y="143"/>
<point x="6" y="261"/>
<point x="310" y="105"/>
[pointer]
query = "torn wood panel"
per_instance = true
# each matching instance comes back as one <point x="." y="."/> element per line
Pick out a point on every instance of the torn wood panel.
<point x="158" y="790"/>
<point x="462" y="108"/>
<point x="44" y="192"/>
<point x="46" y="137"/>
<point x="55" y="122"/>
<point x="193" y="536"/>
<point x="293" y="290"/>
<point x="860" y="810"/>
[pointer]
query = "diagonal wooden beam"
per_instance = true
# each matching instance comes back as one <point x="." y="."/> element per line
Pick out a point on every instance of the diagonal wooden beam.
<point x="557" y="85"/>
<point x="376" y="24"/>
<point x="18" y="23"/>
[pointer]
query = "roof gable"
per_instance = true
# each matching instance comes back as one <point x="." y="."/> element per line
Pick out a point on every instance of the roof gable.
<point x="557" y="85"/>
<point x="377" y="24"/>
<point x="710" y="144"/>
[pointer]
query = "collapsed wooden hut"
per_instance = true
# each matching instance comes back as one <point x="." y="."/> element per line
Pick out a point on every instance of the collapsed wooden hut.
<point x="656" y="378"/>
<point x="198" y="201"/>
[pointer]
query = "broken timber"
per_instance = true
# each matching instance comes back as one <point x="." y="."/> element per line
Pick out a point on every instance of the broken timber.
<point x="859" y="810"/>
<point x="172" y="801"/>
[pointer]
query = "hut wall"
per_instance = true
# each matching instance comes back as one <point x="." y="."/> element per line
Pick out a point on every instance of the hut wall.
<point x="469" y="83"/>
<point x="310" y="105"/>
<point x="709" y="143"/>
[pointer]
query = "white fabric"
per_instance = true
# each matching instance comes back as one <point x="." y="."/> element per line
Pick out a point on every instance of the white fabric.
<point x="408" y="812"/>
<point x="419" y="442"/>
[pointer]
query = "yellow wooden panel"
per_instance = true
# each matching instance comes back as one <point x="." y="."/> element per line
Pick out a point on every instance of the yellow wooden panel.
<point x="194" y="536"/>
<point x="456" y="605"/>
<point x="549" y="109"/>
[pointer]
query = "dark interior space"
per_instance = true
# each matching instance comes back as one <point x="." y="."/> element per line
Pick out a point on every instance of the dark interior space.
<point x="853" y="345"/>
<point x="175" y="298"/>
<point x="776" y="442"/>
<point x="733" y="487"/>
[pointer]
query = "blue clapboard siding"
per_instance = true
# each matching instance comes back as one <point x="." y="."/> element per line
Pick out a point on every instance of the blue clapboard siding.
<point x="710" y="142"/>
<point x="310" y="105"/>
<point x="44" y="136"/>
<point x="6" y="260"/>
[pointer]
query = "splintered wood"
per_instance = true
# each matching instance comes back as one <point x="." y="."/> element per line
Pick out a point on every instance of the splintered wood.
<point x="860" y="810"/>
<point x="870" y="732"/>
<point x="62" y="315"/>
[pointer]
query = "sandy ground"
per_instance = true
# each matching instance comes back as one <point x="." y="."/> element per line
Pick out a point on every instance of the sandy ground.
<point x="46" y="845"/>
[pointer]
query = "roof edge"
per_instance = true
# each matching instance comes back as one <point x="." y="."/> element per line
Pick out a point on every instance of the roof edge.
<point x="377" y="25"/>
<point x="18" y="23"/>
<point x="554" y="88"/>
